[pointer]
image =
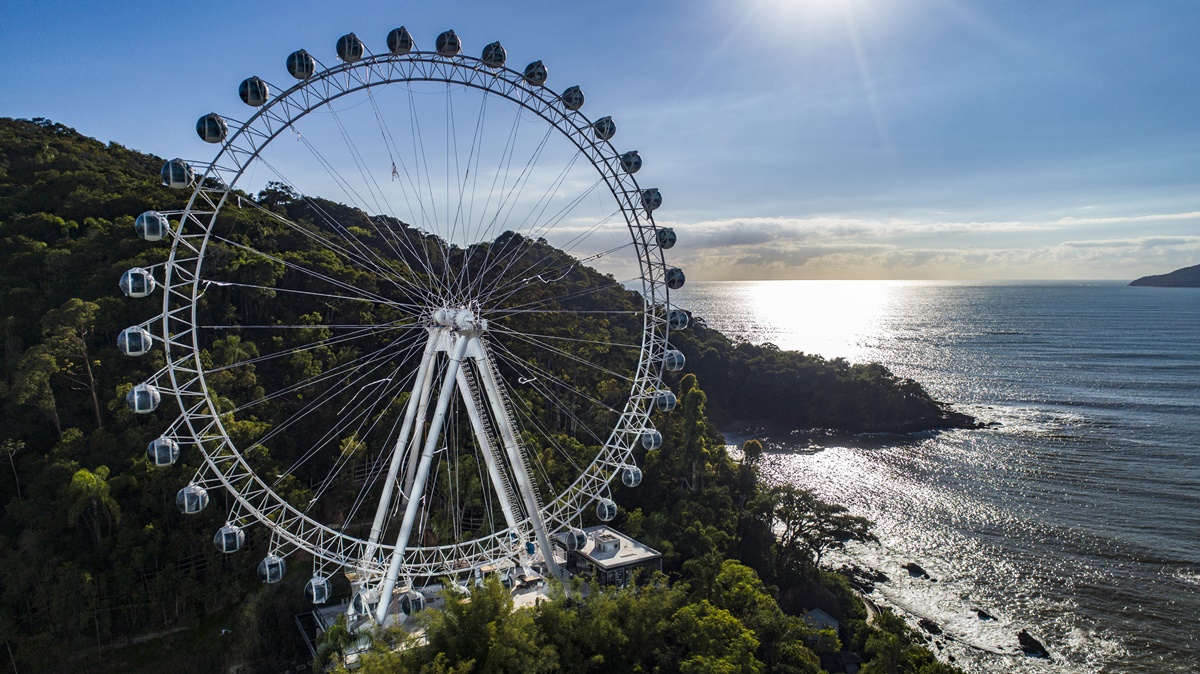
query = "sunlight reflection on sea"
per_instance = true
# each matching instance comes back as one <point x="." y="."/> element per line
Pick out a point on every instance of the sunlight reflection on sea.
<point x="1076" y="517"/>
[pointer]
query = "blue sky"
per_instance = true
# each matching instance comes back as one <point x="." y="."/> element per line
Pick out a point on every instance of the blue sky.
<point x="791" y="138"/>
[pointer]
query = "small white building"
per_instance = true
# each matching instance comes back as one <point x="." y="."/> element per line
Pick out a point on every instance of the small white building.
<point x="610" y="557"/>
<point x="820" y="620"/>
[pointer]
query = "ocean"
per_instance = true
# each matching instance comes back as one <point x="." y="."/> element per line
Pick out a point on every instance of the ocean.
<point x="1076" y="516"/>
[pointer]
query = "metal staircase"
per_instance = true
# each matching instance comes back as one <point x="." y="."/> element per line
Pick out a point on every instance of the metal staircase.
<point x="522" y="451"/>
<point x="510" y="494"/>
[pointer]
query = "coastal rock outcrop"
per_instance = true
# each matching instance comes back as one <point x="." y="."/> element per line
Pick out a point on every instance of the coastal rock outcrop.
<point x="916" y="571"/>
<point x="1188" y="277"/>
<point x="864" y="578"/>
<point x="1031" y="645"/>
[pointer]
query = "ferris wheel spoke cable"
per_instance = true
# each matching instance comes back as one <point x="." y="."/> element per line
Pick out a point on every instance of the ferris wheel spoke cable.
<point x="505" y="163"/>
<point x="423" y="170"/>
<point x="558" y="298"/>
<point x="535" y="232"/>
<point x="344" y="459"/>
<point x="327" y="243"/>
<point x="369" y="183"/>
<point x="569" y="246"/>
<point x="578" y="340"/>
<point x="472" y="157"/>
<point x="360" y="500"/>
<point x="361" y="415"/>
<point x="298" y="416"/>
<point x="537" y="373"/>
<point x="316" y="326"/>
<point x="350" y="193"/>
<point x="566" y="354"/>
<point x="509" y="314"/>
<point x="395" y="155"/>
<point x="537" y="228"/>
<point x="510" y="199"/>
<point x="533" y="455"/>
<point x="556" y="274"/>
<point x="336" y="371"/>
<point x="365" y="172"/>
<point x="511" y="195"/>
<point x="389" y="144"/>
<point x="547" y="196"/>
<point x="382" y="457"/>
<point x="340" y="339"/>
<point x="235" y="284"/>
<point x="463" y="280"/>
<point x="326" y="397"/>
<point x="305" y="270"/>
<point x="551" y="398"/>
<point x="365" y="255"/>
<point x="553" y="440"/>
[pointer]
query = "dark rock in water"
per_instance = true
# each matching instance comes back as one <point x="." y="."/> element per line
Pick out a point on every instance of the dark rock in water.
<point x="943" y="419"/>
<point x="1032" y="646"/>
<point x="916" y="571"/>
<point x="984" y="615"/>
<point x="929" y="626"/>
<point x="1188" y="277"/>
<point x="864" y="578"/>
<point x="950" y="658"/>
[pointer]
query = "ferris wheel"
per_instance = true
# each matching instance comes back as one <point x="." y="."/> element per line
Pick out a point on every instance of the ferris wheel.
<point x="417" y="377"/>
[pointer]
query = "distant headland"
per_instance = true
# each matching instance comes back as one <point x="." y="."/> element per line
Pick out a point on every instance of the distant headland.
<point x="1188" y="277"/>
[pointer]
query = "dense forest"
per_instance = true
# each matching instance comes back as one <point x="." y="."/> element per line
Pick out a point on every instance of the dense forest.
<point x="101" y="573"/>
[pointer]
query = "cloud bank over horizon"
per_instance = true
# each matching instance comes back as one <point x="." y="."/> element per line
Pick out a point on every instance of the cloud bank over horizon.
<point x="860" y="248"/>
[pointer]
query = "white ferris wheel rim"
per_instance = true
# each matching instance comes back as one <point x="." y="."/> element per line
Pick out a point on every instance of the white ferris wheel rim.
<point x="200" y="423"/>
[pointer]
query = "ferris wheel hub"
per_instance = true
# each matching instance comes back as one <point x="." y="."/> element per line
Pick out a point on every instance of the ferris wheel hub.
<point x="458" y="319"/>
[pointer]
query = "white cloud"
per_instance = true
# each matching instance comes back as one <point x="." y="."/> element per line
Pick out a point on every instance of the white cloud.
<point x="1156" y="217"/>
<point x="830" y="247"/>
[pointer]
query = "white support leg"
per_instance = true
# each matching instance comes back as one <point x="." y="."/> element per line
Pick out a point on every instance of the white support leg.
<point x="410" y="472"/>
<point x="401" y="446"/>
<point x="414" y="500"/>
<point x="488" y="451"/>
<point x="512" y="447"/>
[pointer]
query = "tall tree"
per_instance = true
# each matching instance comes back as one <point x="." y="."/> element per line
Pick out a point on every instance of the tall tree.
<point x="67" y="332"/>
<point x="89" y="493"/>
<point x="711" y="640"/>
<point x="696" y="450"/>
<point x="808" y="527"/>
<point x="31" y="383"/>
<point x="11" y="447"/>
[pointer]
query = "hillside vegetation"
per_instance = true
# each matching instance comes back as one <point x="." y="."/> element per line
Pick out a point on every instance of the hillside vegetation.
<point x="93" y="553"/>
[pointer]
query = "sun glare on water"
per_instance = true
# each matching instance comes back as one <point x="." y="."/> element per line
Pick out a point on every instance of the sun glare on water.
<point x="835" y="319"/>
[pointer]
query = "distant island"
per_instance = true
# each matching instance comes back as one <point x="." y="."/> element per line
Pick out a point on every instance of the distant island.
<point x="1188" y="277"/>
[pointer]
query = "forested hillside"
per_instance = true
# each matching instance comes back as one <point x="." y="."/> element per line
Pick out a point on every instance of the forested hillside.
<point x="93" y="553"/>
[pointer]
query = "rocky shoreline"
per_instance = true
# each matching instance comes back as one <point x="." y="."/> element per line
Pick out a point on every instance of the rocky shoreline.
<point x="865" y="579"/>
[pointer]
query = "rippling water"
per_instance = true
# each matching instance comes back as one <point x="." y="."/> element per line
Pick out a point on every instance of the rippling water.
<point x="1077" y="517"/>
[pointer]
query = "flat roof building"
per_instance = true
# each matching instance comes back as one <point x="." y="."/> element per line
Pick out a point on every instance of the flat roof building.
<point x="612" y="558"/>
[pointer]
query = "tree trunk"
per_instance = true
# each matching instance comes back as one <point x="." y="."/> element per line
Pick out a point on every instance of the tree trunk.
<point x="54" y="415"/>
<point x="15" y="476"/>
<point x="87" y="363"/>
